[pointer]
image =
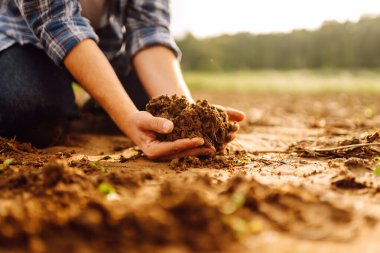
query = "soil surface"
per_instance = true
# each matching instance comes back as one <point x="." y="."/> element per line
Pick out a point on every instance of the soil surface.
<point x="192" y="120"/>
<point x="301" y="177"/>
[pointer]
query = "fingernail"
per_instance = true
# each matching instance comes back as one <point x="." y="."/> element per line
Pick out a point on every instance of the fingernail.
<point x="210" y="152"/>
<point x="167" y="126"/>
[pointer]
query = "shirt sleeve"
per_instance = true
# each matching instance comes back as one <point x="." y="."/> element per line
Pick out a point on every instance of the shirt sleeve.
<point x="57" y="24"/>
<point x="148" y="24"/>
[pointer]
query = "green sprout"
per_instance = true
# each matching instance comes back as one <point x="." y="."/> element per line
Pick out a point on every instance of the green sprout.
<point x="239" y="226"/>
<point x="236" y="202"/>
<point x="106" y="188"/>
<point x="6" y="164"/>
<point x="98" y="166"/>
<point x="377" y="168"/>
<point x="243" y="227"/>
<point x="75" y="85"/>
<point x="369" y="112"/>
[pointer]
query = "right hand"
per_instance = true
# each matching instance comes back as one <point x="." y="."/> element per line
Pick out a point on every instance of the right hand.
<point x="143" y="129"/>
<point x="235" y="116"/>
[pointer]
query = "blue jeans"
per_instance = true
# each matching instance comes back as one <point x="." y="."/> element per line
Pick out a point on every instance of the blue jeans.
<point x="36" y="96"/>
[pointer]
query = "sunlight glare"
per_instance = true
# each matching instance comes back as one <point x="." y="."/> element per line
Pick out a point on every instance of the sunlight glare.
<point x="213" y="17"/>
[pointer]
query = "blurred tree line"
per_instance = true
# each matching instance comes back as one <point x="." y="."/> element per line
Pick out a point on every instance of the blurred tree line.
<point x="333" y="45"/>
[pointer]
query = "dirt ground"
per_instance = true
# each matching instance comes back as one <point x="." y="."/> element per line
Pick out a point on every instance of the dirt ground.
<point x="306" y="183"/>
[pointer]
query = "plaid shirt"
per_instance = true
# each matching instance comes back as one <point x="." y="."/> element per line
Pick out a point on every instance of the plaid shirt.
<point x="57" y="26"/>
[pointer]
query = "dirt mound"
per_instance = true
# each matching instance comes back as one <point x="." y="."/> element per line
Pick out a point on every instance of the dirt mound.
<point x="192" y="120"/>
<point x="12" y="146"/>
<point x="42" y="206"/>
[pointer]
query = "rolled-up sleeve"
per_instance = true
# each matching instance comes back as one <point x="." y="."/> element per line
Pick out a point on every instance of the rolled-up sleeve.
<point x="148" y="24"/>
<point x="57" y="24"/>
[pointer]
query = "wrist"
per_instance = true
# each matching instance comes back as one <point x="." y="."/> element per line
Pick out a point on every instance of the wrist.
<point x="121" y="111"/>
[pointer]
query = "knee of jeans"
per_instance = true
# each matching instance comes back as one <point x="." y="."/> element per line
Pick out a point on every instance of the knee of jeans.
<point x="34" y="107"/>
<point x="57" y="95"/>
<point x="42" y="126"/>
<point x="40" y="129"/>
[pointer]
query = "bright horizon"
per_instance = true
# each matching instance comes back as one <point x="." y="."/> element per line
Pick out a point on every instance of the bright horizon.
<point x="205" y="18"/>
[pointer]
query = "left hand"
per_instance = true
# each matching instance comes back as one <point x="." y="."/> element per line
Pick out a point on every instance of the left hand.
<point x="234" y="116"/>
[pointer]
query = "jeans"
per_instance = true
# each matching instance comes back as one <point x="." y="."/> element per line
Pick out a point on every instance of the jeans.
<point x="36" y="96"/>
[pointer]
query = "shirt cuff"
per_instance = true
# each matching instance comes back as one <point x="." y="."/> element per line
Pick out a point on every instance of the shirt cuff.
<point x="59" y="36"/>
<point x="151" y="36"/>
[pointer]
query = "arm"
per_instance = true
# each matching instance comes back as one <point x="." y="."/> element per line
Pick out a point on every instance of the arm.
<point x="160" y="72"/>
<point x="91" y="69"/>
<point x="153" y="51"/>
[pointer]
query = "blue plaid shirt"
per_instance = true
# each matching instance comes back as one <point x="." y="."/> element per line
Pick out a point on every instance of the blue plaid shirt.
<point x="57" y="26"/>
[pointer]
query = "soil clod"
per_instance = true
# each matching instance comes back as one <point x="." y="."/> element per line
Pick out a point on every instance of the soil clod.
<point x="53" y="173"/>
<point x="192" y="120"/>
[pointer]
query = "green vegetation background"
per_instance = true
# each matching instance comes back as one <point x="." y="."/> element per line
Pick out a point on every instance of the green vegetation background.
<point x="337" y="56"/>
<point x="287" y="81"/>
<point x="334" y="45"/>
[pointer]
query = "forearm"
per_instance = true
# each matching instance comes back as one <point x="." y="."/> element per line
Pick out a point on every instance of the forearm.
<point x="92" y="70"/>
<point x="160" y="73"/>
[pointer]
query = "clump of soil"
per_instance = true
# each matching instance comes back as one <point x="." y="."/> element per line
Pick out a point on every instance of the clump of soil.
<point x="348" y="183"/>
<point x="347" y="180"/>
<point x="59" y="207"/>
<point x="192" y="120"/>
<point x="12" y="146"/>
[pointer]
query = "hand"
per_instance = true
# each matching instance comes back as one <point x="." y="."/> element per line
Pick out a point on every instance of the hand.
<point x="234" y="116"/>
<point x="142" y="130"/>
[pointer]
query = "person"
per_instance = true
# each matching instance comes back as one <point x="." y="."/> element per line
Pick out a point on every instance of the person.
<point x="121" y="52"/>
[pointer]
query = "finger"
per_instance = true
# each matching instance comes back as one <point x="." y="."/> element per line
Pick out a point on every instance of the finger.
<point x="234" y="127"/>
<point x="161" y="149"/>
<point x="231" y="137"/>
<point x="222" y="148"/>
<point x="235" y="115"/>
<point x="191" y="152"/>
<point x="155" y="124"/>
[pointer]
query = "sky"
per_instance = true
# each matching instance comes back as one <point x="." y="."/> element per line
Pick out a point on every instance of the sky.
<point x="213" y="17"/>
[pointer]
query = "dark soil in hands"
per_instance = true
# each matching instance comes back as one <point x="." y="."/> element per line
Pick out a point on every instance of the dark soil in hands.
<point x="192" y="120"/>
